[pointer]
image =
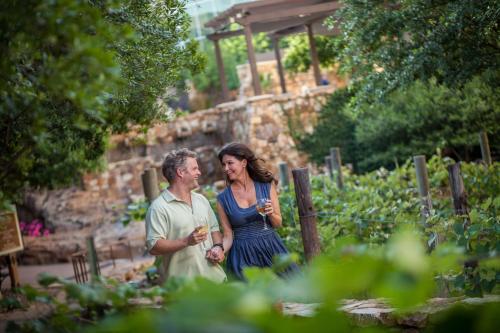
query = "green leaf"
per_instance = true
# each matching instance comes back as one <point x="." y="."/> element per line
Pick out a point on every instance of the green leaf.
<point x="459" y="281"/>
<point x="486" y="204"/>
<point x="474" y="216"/>
<point x="45" y="279"/>
<point x="458" y="228"/>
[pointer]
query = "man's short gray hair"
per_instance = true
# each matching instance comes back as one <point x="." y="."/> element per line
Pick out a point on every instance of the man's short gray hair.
<point x="174" y="160"/>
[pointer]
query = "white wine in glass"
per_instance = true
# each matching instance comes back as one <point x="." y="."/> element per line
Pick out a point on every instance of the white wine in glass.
<point x="203" y="229"/>
<point x="261" y="209"/>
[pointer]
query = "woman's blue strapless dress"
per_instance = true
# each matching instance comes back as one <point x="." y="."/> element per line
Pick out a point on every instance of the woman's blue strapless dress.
<point x="253" y="246"/>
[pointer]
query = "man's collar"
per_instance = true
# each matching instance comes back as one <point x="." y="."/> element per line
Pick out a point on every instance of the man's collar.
<point x="169" y="196"/>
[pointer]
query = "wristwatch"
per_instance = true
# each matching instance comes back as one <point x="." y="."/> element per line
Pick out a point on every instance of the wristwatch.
<point x="219" y="245"/>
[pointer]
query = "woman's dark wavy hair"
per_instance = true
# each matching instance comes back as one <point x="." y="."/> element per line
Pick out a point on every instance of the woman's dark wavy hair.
<point x="255" y="166"/>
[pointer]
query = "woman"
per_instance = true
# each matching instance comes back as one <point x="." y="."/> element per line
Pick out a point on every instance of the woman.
<point x="249" y="238"/>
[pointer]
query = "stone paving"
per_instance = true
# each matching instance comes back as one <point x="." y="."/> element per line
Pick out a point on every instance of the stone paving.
<point x="378" y="312"/>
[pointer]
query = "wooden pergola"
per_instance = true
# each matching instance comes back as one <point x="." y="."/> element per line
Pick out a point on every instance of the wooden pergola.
<point x="278" y="18"/>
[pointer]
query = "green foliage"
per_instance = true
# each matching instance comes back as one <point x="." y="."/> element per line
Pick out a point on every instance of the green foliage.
<point x="401" y="272"/>
<point x="298" y="53"/>
<point x="238" y="47"/>
<point x="413" y="120"/>
<point x="452" y="41"/>
<point x="74" y="71"/>
<point x="374" y="205"/>
<point x="265" y="81"/>
<point x="335" y="128"/>
<point x="208" y="81"/>
<point x="10" y="303"/>
<point x="152" y="61"/>
<point x="374" y="246"/>
<point x="135" y="212"/>
<point x="381" y="271"/>
<point x="423" y="117"/>
<point x="463" y="318"/>
<point x="424" y="74"/>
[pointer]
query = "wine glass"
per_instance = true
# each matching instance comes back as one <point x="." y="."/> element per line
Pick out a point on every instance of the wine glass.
<point x="261" y="209"/>
<point x="203" y="228"/>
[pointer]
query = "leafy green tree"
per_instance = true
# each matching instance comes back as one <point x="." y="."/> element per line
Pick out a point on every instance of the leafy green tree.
<point x="298" y="54"/>
<point x="422" y="117"/>
<point x="336" y="128"/>
<point x="208" y="81"/>
<point x="75" y="71"/>
<point x="238" y="46"/>
<point x="152" y="61"/>
<point x="416" y="119"/>
<point x="389" y="44"/>
<point x="426" y="76"/>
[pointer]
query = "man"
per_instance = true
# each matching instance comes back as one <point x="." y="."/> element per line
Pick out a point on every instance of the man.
<point x="176" y="220"/>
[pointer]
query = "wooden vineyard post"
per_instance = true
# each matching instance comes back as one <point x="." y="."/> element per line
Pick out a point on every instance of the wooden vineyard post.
<point x="13" y="272"/>
<point x="423" y="185"/>
<point x="284" y="179"/>
<point x="307" y="215"/>
<point x="328" y="164"/>
<point x="152" y="191"/>
<point x="337" y="166"/>
<point x="112" y="255"/>
<point x="458" y="193"/>
<point x="485" y="148"/>
<point x="150" y="184"/>
<point x="461" y="208"/>
<point x="92" y="258"/>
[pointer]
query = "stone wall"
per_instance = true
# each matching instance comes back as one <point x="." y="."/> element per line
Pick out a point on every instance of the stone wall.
<point x="261" y="122"/>
<point x="269" y="131"/>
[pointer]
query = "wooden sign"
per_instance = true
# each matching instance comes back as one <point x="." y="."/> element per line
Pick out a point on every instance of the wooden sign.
<point x="10" y="234"/>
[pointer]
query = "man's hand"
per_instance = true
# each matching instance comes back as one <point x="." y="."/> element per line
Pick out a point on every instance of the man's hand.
<point x="196" y="236"/>
<point x="215" y="255"/>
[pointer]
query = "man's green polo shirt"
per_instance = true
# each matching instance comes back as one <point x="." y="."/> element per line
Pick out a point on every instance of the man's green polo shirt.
<point x="170" y="218"/>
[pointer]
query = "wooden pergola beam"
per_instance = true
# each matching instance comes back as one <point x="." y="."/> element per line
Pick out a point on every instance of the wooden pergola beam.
<point x="225" y="34"/>
<point x="270" y="16"/>
<point x="241" y="9"/>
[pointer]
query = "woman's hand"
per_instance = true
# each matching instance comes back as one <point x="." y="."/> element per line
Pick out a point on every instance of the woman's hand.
<point x="215" y="255"/>
<point x="268" y="208"/>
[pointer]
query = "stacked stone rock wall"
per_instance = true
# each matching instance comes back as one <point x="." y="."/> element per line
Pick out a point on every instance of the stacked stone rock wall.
<point x="261" y="122"/>
<point x="270" y="133"/>
<point x="203" y="132"/>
